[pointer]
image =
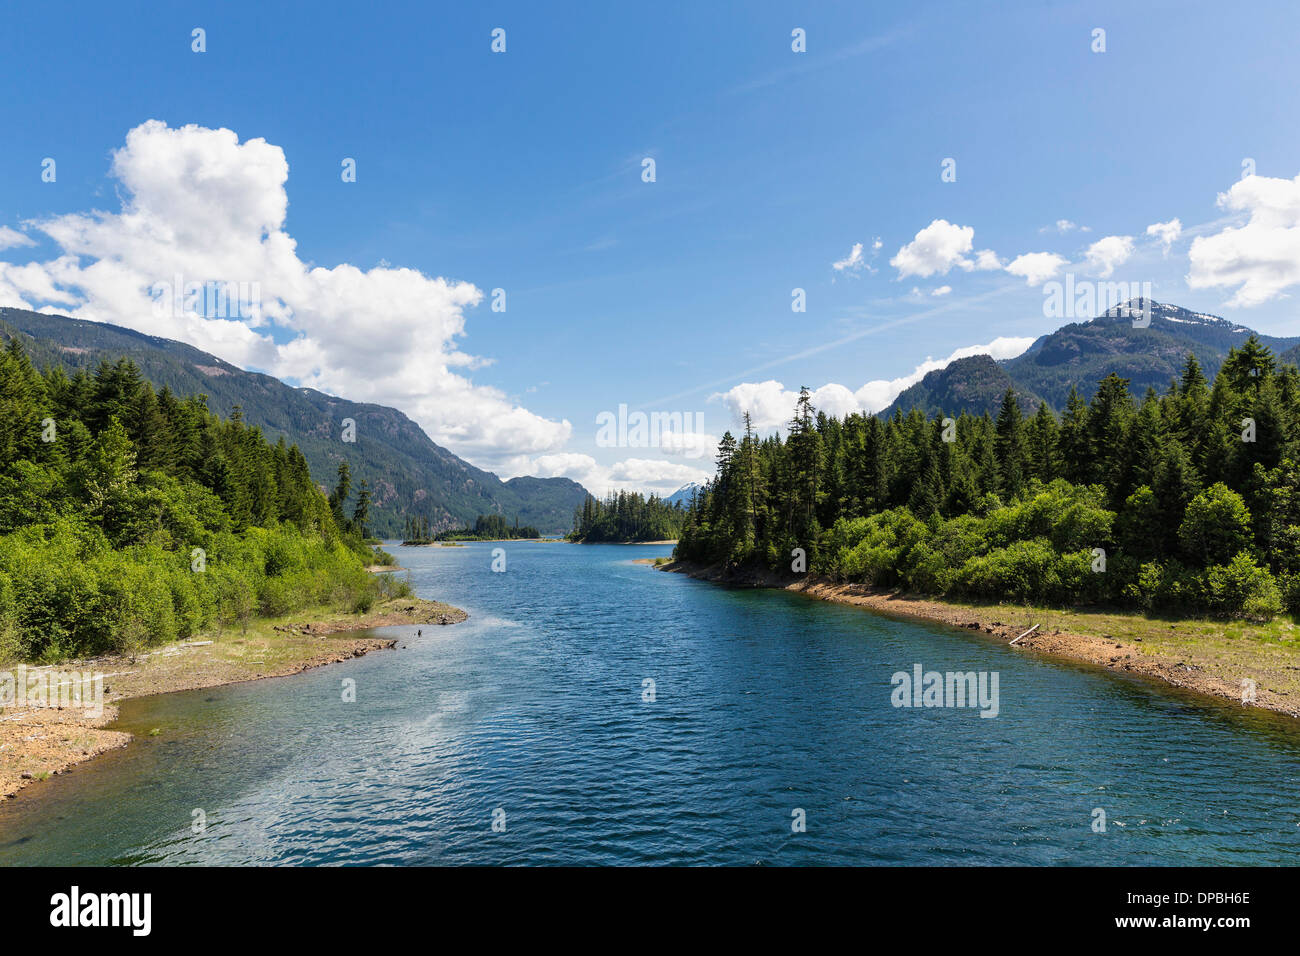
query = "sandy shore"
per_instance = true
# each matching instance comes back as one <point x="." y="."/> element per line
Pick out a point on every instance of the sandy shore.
<point x="38" y="742"/>
<point x="1207" y="657"/>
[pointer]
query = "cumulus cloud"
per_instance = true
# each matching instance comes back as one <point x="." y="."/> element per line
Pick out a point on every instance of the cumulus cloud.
<point x="200" y="205"/>
<point x="771" y="405"/>
<point x="1105" y="255"/>
<point x="630" y="474"/>
<point x="687" y="444"/>
<point x="934" y="250"/>
<point x="1261" y="258"/>
<point x="942" y="290"/>
<point x="1036" y="267"/>
<point x="565" y="464"/>
<point x="1166" y="232"/>
<point x="655" y="473"/>
<point x="940" y="247"/>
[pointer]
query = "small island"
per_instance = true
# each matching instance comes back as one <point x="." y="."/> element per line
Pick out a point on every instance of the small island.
<point x="627" y="517"/>
<point x="486" y="528"/>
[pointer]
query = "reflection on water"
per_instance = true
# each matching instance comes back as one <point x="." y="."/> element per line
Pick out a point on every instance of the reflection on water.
<point x="765" y="703"/>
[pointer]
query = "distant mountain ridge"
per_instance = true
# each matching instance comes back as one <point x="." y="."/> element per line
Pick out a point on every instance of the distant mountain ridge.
<point x="408" y="473"/>
<point x="684" y="494"/>
<point x="1081" y="354"/>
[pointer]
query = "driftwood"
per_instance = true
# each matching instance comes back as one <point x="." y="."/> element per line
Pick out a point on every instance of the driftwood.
<point x="1026" y="634"/>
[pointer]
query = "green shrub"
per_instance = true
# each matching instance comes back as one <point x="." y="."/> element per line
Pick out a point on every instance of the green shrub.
<point x="1240" y="588"/>
<point x="1022" y="571"/>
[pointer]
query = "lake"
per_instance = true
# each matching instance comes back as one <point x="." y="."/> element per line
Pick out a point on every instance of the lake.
<point x="768" y="736"/>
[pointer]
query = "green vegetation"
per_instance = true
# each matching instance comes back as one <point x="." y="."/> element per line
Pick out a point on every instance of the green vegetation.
<point x="486" y="528"/>
<point x="1186" y="502"/>
<point x="626" y="516"/>
<point x="130" y="518"/>
<point x="407" y="473"/>
<point x="973" y="384"/>
<point x="1081" y="354"/>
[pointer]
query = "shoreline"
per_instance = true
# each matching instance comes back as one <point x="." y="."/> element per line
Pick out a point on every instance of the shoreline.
<point x="39" y="742"/>
<point x="1204" y="662"/>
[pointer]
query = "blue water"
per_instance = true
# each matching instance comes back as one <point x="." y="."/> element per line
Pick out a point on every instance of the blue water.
<point x="765" y="704"/>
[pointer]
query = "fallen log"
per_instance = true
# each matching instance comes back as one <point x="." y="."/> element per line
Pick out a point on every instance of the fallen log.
<point x="1026" y="634"/>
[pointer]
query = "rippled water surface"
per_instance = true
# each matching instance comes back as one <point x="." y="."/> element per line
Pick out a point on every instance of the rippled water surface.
<point x="765" y="703"/>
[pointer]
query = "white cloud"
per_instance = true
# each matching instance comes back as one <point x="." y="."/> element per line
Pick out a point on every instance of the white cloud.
<point x="1036" y="267"/>
<point x="1166" y="232"/>
<point x="771" y="405"/>
<point x="631" y="474"/>
<point x="853" y="262"/>
<point x="1105" y="255"/>
<point x="942" y="290"/>
<point x="688" y="444"/>
<point x="939" y="247"/>
<point x="35" y="282"/>
<point x="562" y="464"/>
<point x="935" y="250"/>
<point x="856" y="261"/>
<point x="1260" y="258"/>
<point x="1063" y="226"/>
<point x="655" y="474"/>
<point x="13" y="239"/>
<point x="200" y="204"/>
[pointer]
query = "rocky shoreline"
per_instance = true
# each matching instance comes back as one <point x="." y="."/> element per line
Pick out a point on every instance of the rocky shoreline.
<point x="37" y="742"/>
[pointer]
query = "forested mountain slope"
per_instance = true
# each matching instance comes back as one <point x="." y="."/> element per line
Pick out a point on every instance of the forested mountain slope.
<point x="1080" y="354"/>
<point x="408" y="473"/>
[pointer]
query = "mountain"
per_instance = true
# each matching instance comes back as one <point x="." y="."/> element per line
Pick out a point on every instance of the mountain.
<point x="1081" y="354"/>
<point x="408" y="474"/>
<point x="975" y="384"/>
<point x="683" y="494"/>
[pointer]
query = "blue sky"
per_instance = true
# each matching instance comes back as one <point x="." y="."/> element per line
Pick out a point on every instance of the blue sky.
<point x="522" y="171"/>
